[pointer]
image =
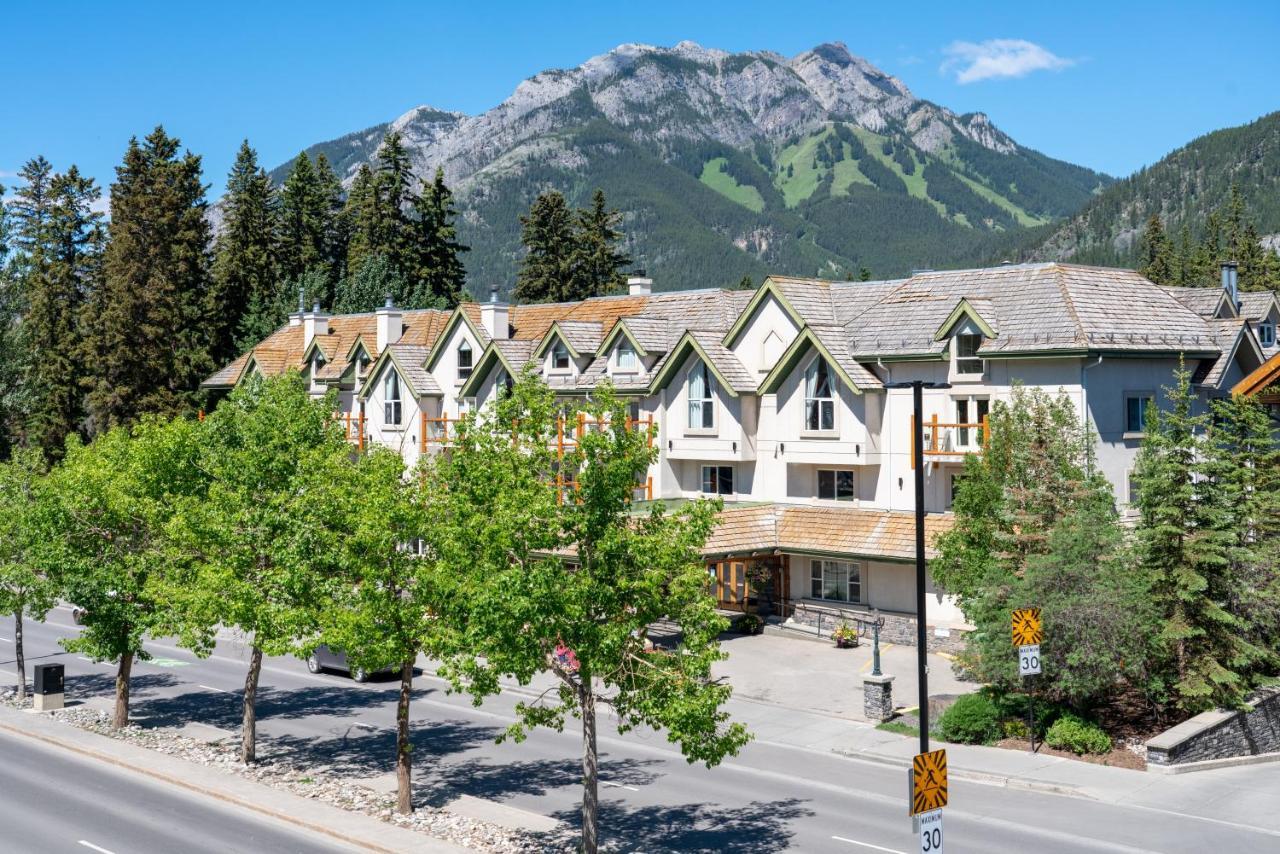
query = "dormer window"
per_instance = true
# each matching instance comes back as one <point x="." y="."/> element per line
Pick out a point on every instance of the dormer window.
<point x="559" y="357"/>
<point x="391" y="404"/>
<point x="464" y="360"/>
<point x="819" y="397"/>
<point x="702" y="410"/>
<point x="968" y="362"/>
<point x="1267" y="333"/>
<point x="627" y="360"/>
<point x="503" y="383"/>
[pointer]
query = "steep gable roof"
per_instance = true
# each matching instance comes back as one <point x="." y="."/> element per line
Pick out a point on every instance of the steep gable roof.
<point x="1207" y="302"/>
<point x="830" y="343"/>
<point x="707" y="346"/>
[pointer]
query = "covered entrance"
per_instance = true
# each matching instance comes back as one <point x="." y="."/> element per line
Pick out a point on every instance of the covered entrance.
<point x="752" y="584"/>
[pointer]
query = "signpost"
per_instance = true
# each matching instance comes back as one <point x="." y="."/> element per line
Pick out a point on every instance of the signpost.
<point x="1028" y="633"/>
<point x="928" y="779"/>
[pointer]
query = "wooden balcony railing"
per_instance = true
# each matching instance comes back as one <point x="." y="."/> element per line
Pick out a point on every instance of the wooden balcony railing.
<point x="353" y="424"/>
<point x="435" y="431"/>
<point x="945" y="439"/>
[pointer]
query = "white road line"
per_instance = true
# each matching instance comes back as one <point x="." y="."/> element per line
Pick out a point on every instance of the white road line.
<point x="97" y="848"/>
<point x="868" y="845"/>
<point x="6" y="640"/>
<point x="613" y="785"/>
<point x="211" y="688"/>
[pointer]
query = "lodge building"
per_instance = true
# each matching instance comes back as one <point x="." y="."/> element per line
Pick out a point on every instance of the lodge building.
<point x="778" y="399"/>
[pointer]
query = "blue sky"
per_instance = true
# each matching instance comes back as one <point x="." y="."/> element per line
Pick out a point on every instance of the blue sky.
<point x="1109" y="85"/>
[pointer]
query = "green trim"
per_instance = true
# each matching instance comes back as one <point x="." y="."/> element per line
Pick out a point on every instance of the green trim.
<point x="359" y="342"/>
<point x="482" y="368"/>
<point x="767" y="288"/>
<point x="437" y="348"/>
<point x="677" y="359"/>
<point x="792" y="357"/>
<point x="388" y="355"/>
<point x="620" y="328"/>
<point x="964" y="308"/>
<point x="556" y="331"/>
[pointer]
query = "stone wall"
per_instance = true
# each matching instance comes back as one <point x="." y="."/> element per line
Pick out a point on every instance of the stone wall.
<point x="898" y="628"/>
<point x="1221" y="735"/>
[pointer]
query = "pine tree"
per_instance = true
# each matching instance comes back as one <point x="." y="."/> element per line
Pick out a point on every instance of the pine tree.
<point x="378" y="204"/>
<point x="362" y="216"/>
<point x="245" y="270"/>
<point x="1157" y="253"/>
<point x="597" y="262"/>
<point x="149" y="328"/>
<point x="1184" y="541"/>
<point x="546" y="272"/>
<point x="304" y="220"/>
<point x="369" y="287"/>
<point x="337" y="226"/>
<point x="439" y="276"/>
<point x="64" y="269"/>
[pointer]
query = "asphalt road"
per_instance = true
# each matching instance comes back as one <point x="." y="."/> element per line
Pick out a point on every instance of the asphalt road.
<point x="771" y="798"/>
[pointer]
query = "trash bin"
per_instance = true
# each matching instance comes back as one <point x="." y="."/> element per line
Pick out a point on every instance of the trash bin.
<point x="48" y="694"/>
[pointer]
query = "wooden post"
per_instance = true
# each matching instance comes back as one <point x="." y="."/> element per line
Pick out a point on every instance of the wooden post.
<point x="913" y="440"/>
<point x="933" y="435"/>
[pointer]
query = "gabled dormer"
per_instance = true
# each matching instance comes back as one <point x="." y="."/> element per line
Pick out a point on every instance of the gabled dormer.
<point x="457" y="350"/>
<point x="631" y="349"/>
<point x="765" y="328"/>
<point x="966" y="331"/>
<point x="566" y="350"/>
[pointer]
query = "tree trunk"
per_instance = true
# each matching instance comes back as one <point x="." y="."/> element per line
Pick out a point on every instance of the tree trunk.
<point x="404" y="748"/>
<point x="121" y="718"/>
<point x="249" y="719"/>
<point x="17" y="648"/>
<point x="590" y="771"/>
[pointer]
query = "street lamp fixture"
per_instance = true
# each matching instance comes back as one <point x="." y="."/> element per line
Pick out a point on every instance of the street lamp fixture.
<point x="922" y="636"/>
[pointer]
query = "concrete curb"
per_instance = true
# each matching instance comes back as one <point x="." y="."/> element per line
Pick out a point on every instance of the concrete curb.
<point x="361" y="831"/>
<point x="1001" y="780"/>
<point x="1210" y="764"/>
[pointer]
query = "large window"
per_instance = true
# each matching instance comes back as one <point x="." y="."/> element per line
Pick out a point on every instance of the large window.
<point x="559" y="357"/>
<point x="391" y="406"/>
<point x="970" y="410"/>
<point x="835" y="580"/>
<point x="702" y="407"/>
<point x="717" y="480"/>
<point x="819" y="397"/>
<point x="464" y="360"/>
<point x="627" y="360"/>
<point x="967" y="359"/>
<point x="835" y="485"/>
<point x="1135" y="412"/>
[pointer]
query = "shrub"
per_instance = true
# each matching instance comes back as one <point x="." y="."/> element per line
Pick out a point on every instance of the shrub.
<point x="748" y="624"/>
<point x="1079" y="736"/>
<point x="1015" y="729"/>
<point x="972" y="719"/>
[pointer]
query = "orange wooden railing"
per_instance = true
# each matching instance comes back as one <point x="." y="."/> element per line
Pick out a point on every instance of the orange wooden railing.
<point x="936" y="434"/>
<point x="352" y="426"/>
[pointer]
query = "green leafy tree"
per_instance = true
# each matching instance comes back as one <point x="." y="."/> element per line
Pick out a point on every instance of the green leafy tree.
<point x="245" y="268"/>
<point x="115" y="499"/>
<point x="547" y="232"/>
<point x="251" y="540"/>
<point x="25" y="589"/>
<point x="439" y="276"/>
<point x="1184" y="541"/>
<point x="148" y="335"/>
<point x="597" y="261"/>
<point x="369" y="287"/>
<point x="584" y="618"/>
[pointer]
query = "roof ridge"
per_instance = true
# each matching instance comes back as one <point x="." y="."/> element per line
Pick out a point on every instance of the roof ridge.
<point x="1069" y="301"/>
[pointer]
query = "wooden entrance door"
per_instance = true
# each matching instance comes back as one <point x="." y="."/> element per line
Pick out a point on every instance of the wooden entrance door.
<point x="731" y="583"/>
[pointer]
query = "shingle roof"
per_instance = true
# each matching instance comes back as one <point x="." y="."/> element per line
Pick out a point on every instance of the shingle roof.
<point x="410" y="360"/>
<point x="1228" y="332"/>
<point x="1256" y="305"/>
<point x="1203" y="301"/>
<point x="836" y="340"/>
<point x="583" y="336"/>
<point x="724" y="360"/>
<point x="653" y="334"/>
<point x="829" y="530"/>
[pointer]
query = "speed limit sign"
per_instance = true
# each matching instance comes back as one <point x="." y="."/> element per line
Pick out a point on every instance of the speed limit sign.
<point x="1029" y="659"/>
<point x="930" y="832"/>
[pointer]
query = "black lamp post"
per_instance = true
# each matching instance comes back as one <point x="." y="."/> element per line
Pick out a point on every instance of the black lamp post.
<point x="922" y="636"/>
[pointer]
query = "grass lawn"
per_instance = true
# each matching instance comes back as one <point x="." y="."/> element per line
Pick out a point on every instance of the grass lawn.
<point x="714" y="176"/>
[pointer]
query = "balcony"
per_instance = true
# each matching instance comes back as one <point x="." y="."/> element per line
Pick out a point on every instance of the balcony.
<point x="353" y="424"/>
<point x="436" y="432"/>
<point x="949" y="442"/>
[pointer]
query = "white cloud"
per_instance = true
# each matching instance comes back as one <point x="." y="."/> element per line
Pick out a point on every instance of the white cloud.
<point x="999" y="59"/>
<point x="102" y="205"/>
<point x="8" y="173"/>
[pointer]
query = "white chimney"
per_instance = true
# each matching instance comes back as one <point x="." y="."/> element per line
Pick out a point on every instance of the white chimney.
<point x="639" y="285"/>
<point x="389" y="323"/>
<point x="314" y="322"/>
<point x="495" y="316"/>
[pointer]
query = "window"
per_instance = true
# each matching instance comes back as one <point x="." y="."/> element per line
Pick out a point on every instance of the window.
<point x="464" y="360"/>
<point x="835" y="580"/>
<point x="503" y="383"/>
<point x="1135" y="412"/>
<point x="627" y="360"/>
<point x="717" y="480"/>
<point x="559" y="357"/>
<point x="702" y="409"/>
<point x="967" y="359"/>
<point x="835" y="485"/>
<point x="468" y="405"/>
<point x="391" y="408"/>
<point x="970" y="410"/>
<point x="1267" y="333"/>
<point x="819" y="397"/>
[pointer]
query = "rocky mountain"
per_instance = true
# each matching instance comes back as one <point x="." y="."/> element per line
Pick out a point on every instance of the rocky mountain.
<point x="1183" y="187"/>
<point x="733" y="164"/>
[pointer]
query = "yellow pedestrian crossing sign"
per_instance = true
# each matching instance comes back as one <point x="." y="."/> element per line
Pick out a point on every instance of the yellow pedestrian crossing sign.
<point x="929" y="781"/>
<point x="1026" y="627"/>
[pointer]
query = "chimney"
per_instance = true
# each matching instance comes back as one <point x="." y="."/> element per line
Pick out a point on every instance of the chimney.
<point x="295" y="319"/>
<point x="314" y="322"/>
<point x="639" y="285"/>
<point x="495" y="317"/>
<point x="1230" y="284"/>
<point x="389" y="324"/>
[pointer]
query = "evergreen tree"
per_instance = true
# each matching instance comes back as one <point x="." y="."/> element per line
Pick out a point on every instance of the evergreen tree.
<point x="245" y="271"/>
<point x="304" y="220"/>
<point x="369" y="286"/>
<point x="150" y="330"/>
<point x="362" y="214"/>
<point x="440" y="275"/>
<point x="546" y="272"/>
<point x="378" y="205"/>
<point x="337" y="225"/>
<point x="1185" y="542"/>
<point x="1157" y="253"/>
<point x="597" y="262"/>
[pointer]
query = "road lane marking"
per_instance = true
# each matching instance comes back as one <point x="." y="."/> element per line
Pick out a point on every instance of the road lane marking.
<point x="100" y="850"/>
<point x="868" y="845"/>
<point x="211" y="688"/>
<point x="614" y="785"/>
<point x="6" y="640"/>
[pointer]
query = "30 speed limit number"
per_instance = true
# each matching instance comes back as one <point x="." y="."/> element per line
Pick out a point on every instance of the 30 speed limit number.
<point x="930" y="832"/>
<point x="1029" y="659"/>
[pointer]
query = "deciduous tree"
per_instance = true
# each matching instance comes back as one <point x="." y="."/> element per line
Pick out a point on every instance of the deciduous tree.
<point x="25" y="588"/>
